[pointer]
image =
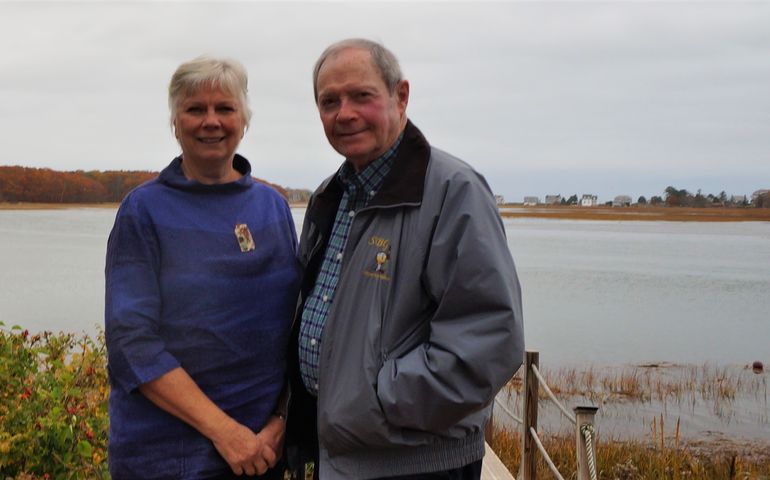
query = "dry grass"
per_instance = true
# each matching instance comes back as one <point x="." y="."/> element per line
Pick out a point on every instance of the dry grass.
<point x="673" y="214"/>
<point x="664" y="383"/>
<point x="660" y="457"/>
<point x="663" y="453"/>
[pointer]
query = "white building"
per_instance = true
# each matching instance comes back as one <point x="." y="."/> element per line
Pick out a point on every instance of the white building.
<point x="531" y="201"/>
<point x="588" y="200"/>
<point x="553" y="199"/>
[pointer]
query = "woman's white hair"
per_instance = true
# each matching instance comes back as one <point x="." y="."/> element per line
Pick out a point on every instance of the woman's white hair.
<point x="207" y="72"/>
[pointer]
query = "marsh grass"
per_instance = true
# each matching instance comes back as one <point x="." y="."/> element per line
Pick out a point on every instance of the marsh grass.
<point x="677" y="384"/>
<point x="663" y="453"/>
<point x="662" y="456"/>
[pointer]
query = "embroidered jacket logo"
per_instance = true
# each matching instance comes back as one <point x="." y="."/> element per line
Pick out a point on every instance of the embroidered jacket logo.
<point x="381" y="259"/>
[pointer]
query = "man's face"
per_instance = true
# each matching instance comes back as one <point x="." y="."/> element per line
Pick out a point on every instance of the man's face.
<point x="361" y="118"/>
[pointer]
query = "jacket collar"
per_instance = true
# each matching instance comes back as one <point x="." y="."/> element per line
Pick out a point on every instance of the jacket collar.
<point x="404" y="183"/>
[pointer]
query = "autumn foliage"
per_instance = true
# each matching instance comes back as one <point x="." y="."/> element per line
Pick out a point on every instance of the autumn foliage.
<point x="43" y="185"/>
<point x="21" y="184"/>
<point x="53" y="406"/>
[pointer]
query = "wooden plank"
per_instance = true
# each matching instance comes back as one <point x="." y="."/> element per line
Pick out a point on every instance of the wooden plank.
<point x="492" y="468"/>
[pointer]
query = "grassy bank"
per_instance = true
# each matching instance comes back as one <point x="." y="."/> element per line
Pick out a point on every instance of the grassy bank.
<point x="671" y="214"/>
<point x="664" y="457"/>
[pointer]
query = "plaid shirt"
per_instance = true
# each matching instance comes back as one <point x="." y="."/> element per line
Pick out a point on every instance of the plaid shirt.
<point x="359" y="188"/>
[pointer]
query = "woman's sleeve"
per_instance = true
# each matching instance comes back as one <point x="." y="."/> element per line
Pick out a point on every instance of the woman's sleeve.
<point x="136" y="352"/>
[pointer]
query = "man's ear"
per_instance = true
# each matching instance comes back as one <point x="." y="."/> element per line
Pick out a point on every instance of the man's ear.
<point x="402" y="94"/>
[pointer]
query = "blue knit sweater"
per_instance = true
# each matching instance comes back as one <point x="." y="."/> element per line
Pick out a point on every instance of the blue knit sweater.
<point x="180" y="291"/>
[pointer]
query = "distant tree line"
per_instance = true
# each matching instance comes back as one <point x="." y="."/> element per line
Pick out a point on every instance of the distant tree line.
<point x="43" y="185"/>
<point x="674" y="197"/>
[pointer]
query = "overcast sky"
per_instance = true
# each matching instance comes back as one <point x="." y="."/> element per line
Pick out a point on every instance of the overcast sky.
<point x="541" y="97"/>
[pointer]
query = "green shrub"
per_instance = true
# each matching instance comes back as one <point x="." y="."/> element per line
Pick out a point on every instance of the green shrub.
<point x="53" y="406"/>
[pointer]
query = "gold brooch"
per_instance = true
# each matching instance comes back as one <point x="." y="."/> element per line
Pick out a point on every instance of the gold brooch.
<point x="245" y="241"/>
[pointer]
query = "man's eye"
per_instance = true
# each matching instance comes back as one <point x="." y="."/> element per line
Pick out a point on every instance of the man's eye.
<point x="327" y="102"/>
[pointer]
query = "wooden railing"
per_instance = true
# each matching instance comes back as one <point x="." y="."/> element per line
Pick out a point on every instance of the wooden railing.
<point x="583" y="419"/>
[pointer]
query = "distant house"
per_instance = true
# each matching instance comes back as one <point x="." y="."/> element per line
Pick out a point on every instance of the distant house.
<point x="531" y="201"/>
<point x="553" y="199"/>
<point x="739" y="199"/>
<point x="588" y="200"/>
<point x="621" y="201"/>
<point x="499" y="199"/>
<point x="296" y="195"/>
<point x="759" y="193"/>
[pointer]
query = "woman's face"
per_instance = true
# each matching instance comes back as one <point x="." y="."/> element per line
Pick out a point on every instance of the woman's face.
<point x="209" y="126"/>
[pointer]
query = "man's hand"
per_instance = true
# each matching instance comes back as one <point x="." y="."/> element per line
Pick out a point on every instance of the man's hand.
<point x="273" y="434"/>
<point x="244" y="451"/>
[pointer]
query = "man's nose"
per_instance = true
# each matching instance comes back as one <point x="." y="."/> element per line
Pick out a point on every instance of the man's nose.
<point x="347" y="111"/>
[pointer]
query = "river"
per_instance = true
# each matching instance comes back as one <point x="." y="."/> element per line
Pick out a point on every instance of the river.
<point x="593" y="292"/>
<point x="597" y="295"/>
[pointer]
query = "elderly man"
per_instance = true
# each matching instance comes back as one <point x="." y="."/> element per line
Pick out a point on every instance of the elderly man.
<point x="410" y="313"/>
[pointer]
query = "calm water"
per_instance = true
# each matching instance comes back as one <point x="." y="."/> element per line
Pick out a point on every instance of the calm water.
<point x="594" y="292"/>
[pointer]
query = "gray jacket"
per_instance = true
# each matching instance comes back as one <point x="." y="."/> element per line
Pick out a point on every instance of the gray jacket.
<point x="425" y="325"/>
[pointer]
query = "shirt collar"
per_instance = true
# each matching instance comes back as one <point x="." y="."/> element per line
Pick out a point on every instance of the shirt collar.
<point x="371" y="177"/>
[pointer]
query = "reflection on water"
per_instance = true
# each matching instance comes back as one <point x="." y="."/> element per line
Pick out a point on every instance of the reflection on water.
<point x="637" y="292"/>
<point x="594" y="292"/>
<point x="52" y="275"/>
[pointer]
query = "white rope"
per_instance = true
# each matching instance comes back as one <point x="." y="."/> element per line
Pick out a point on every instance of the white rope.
<point x="510" y="414"/>
<point x="553" y="397"/>
<point x="588" y="433"/>
<point x="545" y="454"/>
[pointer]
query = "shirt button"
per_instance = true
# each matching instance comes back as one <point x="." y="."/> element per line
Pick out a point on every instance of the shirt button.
<point x="339" y="256"/>
<point x="372" y="193"/>
<point x="316" y="387"/>
<point x="325" y="298"/>
<point x="351" y="213"/>
<point x="313" y="341"/>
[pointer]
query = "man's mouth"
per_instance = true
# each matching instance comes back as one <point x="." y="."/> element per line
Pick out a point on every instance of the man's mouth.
<point x="349" y="134"/>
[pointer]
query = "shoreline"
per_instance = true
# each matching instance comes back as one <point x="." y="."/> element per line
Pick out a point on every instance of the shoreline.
<point x="54" y="206"/>
<point x="636" y="213"/>
<point x="554" y="212"/>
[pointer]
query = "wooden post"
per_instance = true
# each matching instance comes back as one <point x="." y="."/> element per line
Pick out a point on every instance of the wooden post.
<point x="529" y="449"/>
<point x="583" y="416"/>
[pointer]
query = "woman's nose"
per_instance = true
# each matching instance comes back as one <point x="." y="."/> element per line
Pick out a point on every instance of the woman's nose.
<point x="211" y="119"/>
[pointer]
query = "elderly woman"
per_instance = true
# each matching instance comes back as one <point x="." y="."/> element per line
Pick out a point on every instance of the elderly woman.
<point x="201" y="281"/>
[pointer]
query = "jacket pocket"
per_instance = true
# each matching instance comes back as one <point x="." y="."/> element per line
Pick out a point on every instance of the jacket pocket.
<point x="351" y="419"/>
